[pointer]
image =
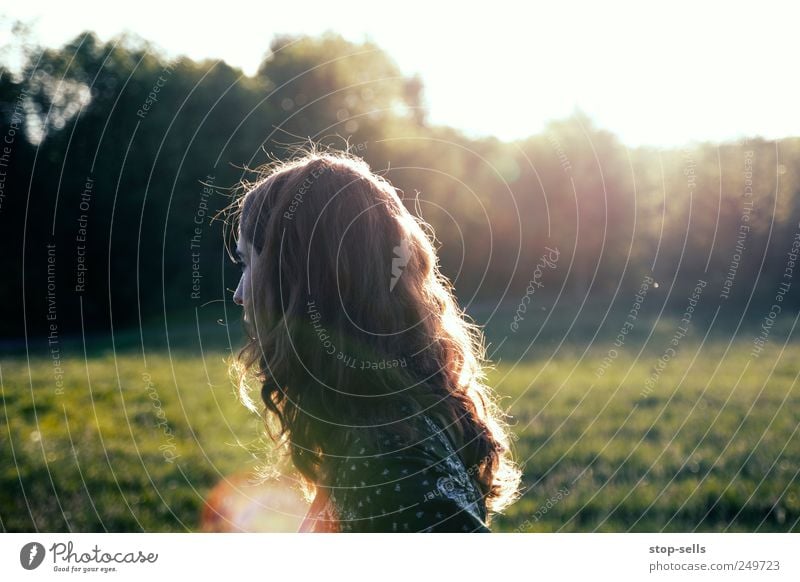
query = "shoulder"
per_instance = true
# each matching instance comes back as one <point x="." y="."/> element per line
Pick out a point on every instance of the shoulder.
<point x="394" y="484"/>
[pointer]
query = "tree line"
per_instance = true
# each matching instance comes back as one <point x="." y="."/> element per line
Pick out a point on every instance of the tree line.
<point x="115" y="159"/>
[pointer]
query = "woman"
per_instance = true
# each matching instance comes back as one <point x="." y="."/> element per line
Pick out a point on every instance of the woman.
<point x="369" y="372"/>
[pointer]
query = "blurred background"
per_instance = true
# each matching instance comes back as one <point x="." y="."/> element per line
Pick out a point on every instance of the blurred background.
<point x="615" y="192"/>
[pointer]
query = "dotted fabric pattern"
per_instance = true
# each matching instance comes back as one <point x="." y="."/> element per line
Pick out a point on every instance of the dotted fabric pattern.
<point x="404" y="487"/>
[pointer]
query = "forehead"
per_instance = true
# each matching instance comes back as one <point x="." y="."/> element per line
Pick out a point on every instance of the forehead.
<point x="243" y="247"/>
<point x="255" y="213"/>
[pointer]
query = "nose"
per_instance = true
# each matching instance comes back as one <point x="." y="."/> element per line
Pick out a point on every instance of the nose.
<point x="237" y="295"/>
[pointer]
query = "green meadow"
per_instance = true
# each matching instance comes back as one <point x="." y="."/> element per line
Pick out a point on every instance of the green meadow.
<point x="713" y="447"/>
<point x="130" y="444"/>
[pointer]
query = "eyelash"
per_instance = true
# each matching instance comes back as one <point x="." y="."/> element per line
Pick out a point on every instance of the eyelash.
<point x="239" y="264"/>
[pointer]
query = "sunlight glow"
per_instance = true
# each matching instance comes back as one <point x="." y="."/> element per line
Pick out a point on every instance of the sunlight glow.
<point x="657" y="75"/>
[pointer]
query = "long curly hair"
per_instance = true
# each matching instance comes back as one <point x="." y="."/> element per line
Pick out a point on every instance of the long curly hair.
<point x="350" y="322"/>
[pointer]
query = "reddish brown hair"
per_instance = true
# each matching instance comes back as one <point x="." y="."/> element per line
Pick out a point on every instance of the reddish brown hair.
<point x="350" y="321"/>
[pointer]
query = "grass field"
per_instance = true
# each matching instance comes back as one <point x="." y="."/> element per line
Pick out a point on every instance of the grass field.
<point x="129" y="447"/>
<point x="707" y="450"/>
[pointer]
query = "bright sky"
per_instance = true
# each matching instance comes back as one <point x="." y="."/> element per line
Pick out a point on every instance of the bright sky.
<point x="658" y="75"/>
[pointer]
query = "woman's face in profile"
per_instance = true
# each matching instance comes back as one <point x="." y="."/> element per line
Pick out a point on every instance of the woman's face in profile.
<point x="244" y="254"/>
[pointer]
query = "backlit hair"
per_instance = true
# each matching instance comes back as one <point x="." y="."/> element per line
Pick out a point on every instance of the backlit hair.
<point x="349" y="319"/>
